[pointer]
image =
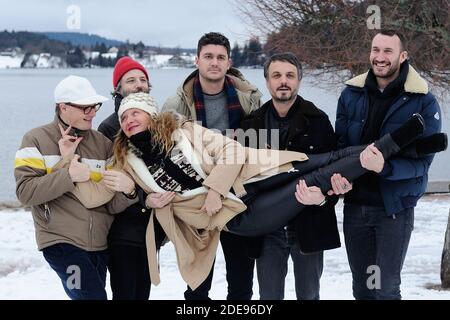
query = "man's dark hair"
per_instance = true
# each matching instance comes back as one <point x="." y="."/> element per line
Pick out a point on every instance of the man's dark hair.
<point x="284" y="57"/>
<point x="213" y="38"/>
<point x="391" y="33"/>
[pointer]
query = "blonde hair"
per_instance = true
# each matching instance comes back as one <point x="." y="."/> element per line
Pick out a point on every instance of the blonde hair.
<point x="161" y="126"/>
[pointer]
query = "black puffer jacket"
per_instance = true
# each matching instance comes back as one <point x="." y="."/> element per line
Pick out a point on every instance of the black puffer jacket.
<point x="310" y="131"/>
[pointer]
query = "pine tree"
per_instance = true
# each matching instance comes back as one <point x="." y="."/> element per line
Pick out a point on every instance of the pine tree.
<point x="236" y="55"/>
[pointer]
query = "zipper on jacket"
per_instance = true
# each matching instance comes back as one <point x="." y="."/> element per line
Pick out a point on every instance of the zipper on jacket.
<point x="46" y="213"/>
<point x="403" y="99"/>
<point x="91" y="222"/>
<point x="366" y="114"/>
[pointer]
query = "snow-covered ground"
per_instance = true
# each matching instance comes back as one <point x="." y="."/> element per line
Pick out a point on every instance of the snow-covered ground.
<point x="8" y="62"/>
<point x="24" y="274"/>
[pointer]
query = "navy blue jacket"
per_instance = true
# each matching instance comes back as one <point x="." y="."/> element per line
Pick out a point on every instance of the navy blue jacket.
<point x="403" y="180"/>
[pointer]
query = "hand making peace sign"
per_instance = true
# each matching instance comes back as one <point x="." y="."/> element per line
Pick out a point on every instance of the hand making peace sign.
<point x="67" y="144"/>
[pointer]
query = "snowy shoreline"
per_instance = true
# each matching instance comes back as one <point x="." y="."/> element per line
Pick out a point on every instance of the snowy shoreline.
<point x="24" y="272"/>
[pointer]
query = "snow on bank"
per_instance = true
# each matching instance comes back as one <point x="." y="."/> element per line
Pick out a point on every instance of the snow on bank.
<point x="9" y="62"/>
<point x="24" y="274"/>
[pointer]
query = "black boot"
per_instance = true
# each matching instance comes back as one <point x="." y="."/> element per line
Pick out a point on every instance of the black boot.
<point x="350" y="166"/>
<point x="393" y="142"/>
<point x="314" y="162"/>
<point x="424" y="146"/>
<point x="431" y="144"/>
<point x="409" y="131"/>
<point x="388" y="145"/>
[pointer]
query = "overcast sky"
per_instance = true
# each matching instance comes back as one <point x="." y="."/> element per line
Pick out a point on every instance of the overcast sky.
<point x="155" y="22"/>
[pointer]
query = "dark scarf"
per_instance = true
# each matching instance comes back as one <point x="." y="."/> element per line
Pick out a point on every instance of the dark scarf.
<point x="381" y="102"/>
<point x="235" y="111"/>
<point x="143" y="148"/>
<point x="275" y="122"/>
<point x="153" y="155"/>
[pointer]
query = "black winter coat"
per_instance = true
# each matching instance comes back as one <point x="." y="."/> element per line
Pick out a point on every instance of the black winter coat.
<point x="310" y="131"/>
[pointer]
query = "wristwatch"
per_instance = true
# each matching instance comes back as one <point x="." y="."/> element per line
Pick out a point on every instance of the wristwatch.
<point x="323" y="202"/>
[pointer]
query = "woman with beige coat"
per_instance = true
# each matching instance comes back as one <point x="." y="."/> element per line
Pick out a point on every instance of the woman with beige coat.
<point x="200" y="182"/>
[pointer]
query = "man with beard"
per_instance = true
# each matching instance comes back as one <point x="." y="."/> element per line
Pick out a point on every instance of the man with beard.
<point x="218" y="96"/>
<point x="302" y="127"/>
<point x="379" y="211"/>
<point x="128" y="266"/>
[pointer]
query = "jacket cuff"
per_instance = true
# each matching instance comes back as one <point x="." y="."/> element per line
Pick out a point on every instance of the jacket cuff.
<point x="63" y="163"/>
<point x="387" y="170"/>
<point x="223" y="191"/>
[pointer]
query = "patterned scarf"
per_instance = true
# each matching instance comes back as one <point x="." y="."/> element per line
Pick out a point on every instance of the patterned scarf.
<point x="235" y="111"/>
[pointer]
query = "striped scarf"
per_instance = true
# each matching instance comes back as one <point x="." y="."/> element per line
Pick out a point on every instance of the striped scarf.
<point x="235" y="111"/>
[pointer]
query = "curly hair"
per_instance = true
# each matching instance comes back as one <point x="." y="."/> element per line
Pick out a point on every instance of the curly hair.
<point x="161" y="126"/>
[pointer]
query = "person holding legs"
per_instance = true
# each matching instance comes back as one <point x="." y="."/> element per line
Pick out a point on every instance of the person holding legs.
<point x="128" y="264"/>
<point x="300" y="126"/>
<point x="163" y="152"/>
<point x="218" y="96"/>
<point x="379" y="211"/>
<point x="51" y="160"/>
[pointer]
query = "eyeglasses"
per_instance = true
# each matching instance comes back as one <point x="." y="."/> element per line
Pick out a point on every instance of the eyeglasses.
<point x="86" y="109"/>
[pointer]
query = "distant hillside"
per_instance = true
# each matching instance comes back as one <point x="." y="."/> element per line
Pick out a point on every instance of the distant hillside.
<point x="31" y="42"/>
<point x="60" y="43"/>
<point x="81" y="39"/>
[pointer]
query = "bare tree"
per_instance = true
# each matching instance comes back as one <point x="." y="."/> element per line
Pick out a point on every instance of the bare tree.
<point x="333" y="35"/>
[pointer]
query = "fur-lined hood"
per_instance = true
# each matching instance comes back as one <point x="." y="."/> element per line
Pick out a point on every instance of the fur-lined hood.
<point x="414" y="82"/>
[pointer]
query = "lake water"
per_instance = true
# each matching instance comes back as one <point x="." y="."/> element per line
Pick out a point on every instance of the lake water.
<point x="26" y="100"/>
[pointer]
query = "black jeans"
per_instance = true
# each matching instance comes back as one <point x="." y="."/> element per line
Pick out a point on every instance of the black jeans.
<point x="128" y="268"/>
<point x="376" y="242"/>
<point x="272" y="267"/>
<point x="239" y="268"/>
<point x="271" y="203"/>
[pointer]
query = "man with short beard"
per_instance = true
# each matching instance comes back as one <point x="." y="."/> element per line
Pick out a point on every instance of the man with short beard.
<point x="379" y="211"/>
<point x="302" y="127"/>
<point x="128" y="265"/>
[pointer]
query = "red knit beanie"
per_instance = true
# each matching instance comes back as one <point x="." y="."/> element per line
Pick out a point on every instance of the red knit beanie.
<point x="123" y="65"/>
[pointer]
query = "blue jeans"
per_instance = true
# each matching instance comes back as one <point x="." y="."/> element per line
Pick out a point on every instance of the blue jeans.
<point x="272" y="268"/>
<point x="375" y="240"/>
<point x="82" y="273"/>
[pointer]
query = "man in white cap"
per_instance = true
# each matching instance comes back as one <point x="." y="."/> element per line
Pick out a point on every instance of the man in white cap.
<point x="51" y="159"/>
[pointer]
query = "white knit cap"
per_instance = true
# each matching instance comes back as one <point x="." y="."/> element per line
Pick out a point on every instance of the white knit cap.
<point x="77" y="90"/>
<point x="139" y="100"/>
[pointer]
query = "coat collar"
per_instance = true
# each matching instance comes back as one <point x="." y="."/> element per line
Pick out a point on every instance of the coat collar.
<point x="299" y="120"/>
<point x="73" y="131"/>
<point x="186" y="90"/>
<point x="414" y="82"/>
<point x="303" y="107"/>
